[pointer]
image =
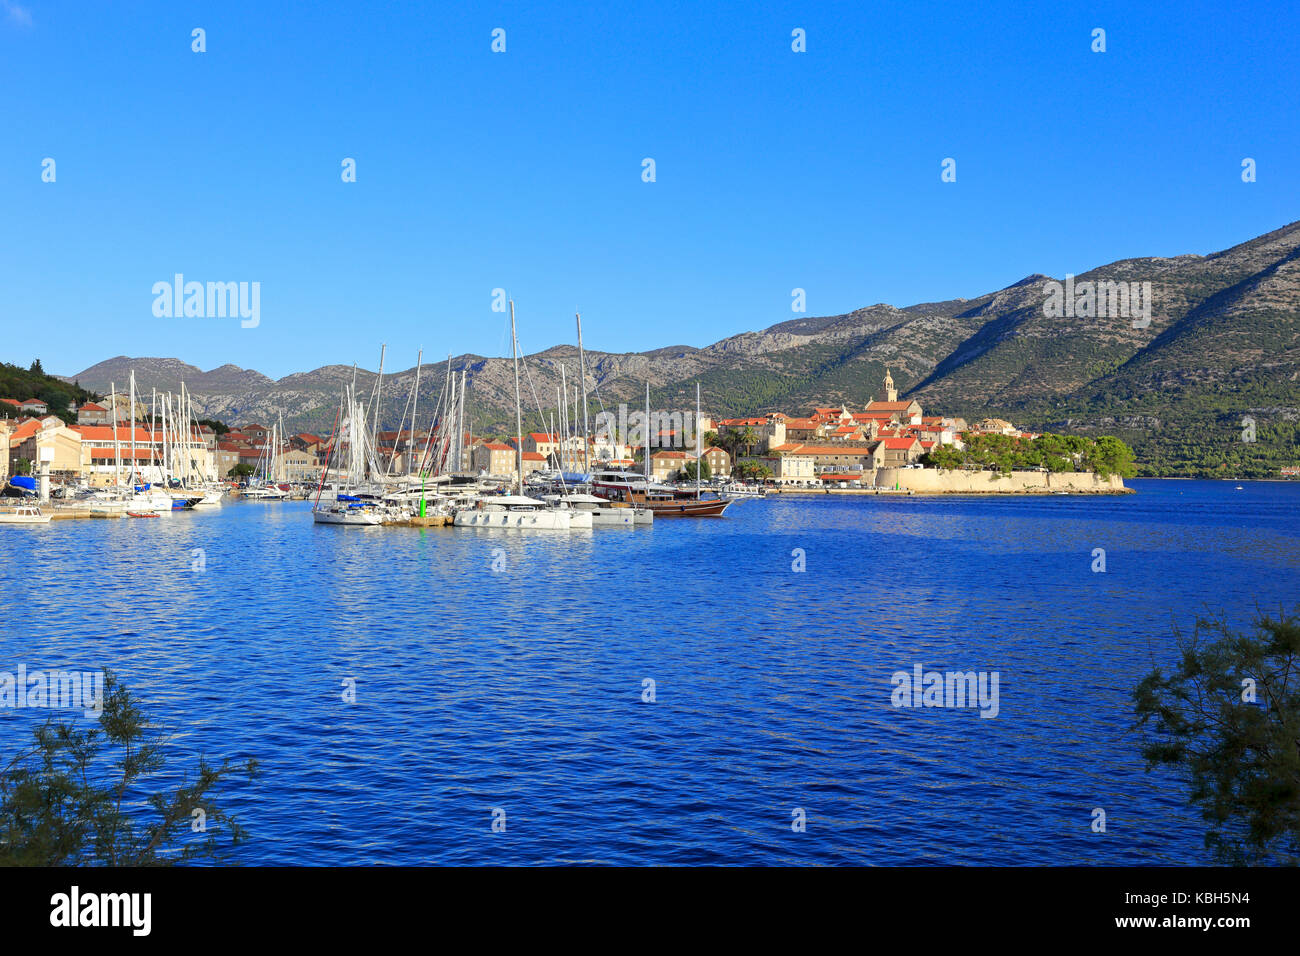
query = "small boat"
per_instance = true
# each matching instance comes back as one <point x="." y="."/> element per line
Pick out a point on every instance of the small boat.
<point x="142" y="514"/>
<point x="23" y="514"/>
<point x="348" y="509"/>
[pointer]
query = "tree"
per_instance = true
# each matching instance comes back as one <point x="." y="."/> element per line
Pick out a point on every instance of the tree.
<point x="1108" y="455"/>
<point x="36" y="368"/>
<point x="1227" y="719"/>
<point x="240" y="471"/>
<point x="688" y="470"/>
<point x="66" y="800"/>
<point x="747" y="439"/>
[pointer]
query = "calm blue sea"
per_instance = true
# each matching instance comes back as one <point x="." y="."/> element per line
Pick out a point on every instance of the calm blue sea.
<point x="521" y="689"/>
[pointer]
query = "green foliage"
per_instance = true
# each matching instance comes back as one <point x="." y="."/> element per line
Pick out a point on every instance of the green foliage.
<point x="240" y="471"/>
<point x="1004" y="453"/>
<point x="688" y="470"/>
<point x="21" y="384"/>
<point x="218" y="428"/>
<point x="1240" y="756"/>
<point x="68" y="799"/>
<point x="752" y="470"/>
<point x="1194" y="432"/>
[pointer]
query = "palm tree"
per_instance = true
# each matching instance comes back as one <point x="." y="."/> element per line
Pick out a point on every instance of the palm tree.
<point x="747" y="439"/>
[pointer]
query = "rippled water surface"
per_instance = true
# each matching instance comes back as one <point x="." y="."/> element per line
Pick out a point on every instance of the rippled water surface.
<point x="521" y="689"/>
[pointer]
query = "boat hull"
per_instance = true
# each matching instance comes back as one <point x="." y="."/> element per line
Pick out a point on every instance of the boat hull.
<point x="347" y="516"/>
<point x="515" y="520"/>
<point x="688" y="508"/>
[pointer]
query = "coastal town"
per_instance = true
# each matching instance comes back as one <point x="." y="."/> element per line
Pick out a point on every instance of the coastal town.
<point x="824" y="446"/>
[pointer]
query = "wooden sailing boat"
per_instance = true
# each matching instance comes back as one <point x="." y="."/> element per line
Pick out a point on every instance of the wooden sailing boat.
<point x="661" y="500"/>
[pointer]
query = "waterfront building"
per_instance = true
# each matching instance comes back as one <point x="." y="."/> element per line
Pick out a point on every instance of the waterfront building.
<point x="665" y="465"/>
<point x="533" y="461"/>
<point x="494" y="458"/>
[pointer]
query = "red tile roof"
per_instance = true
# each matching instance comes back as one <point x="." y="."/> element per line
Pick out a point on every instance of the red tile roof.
<point x="24" y="431"/>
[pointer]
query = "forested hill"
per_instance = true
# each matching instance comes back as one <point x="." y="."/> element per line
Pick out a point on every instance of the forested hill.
<point x="21" y="384"/>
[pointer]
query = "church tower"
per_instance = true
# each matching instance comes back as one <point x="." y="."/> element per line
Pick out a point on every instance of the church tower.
<point x="889" y="393"/>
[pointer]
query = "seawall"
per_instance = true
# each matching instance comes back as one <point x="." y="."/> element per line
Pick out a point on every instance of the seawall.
<point x="937" y="481"/>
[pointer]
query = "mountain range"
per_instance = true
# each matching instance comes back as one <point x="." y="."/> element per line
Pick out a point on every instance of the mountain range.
<point x="1210" y="386"/>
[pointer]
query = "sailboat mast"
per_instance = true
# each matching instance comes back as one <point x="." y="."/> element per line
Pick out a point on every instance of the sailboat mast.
<point x="415" y="410"/>
<point x="132" y="399"/>
<point x="153" y="426"/>
<point x="519" y="421"/>
<point x="117" y="441"/>
<point x="582" y="375"/>
<point x="562" y="407"/>
<point x="460" y="427"/>
<point x="379" y="392"/>
<point x="647" y="432"/>
<point x="699" y="442"/>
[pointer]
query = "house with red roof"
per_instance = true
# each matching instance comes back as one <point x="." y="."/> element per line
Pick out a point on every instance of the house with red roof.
<point x="665" y="465"/>
<point x="494" y="458"/>
<point x="900" y="451"/>
<point x="533" y="461"/>
<point x="92" y="413"/>
<point x="835" y="458"/>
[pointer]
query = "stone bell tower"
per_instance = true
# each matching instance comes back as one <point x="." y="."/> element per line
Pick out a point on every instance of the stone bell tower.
<point x="888" y="393"/>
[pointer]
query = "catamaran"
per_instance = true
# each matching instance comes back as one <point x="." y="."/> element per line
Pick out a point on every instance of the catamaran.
<point x="603" y="513"/>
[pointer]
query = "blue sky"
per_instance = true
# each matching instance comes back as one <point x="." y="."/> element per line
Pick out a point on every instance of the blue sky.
<point x="523" y="170"/>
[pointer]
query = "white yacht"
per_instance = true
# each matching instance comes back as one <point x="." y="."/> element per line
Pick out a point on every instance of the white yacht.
<point x="604" y="513"/>
<point x="514" y="511"/>
<point x="347" y="512"/>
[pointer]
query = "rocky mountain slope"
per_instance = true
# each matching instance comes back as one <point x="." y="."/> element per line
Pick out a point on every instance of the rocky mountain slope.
<point x="1223" y="343"/>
